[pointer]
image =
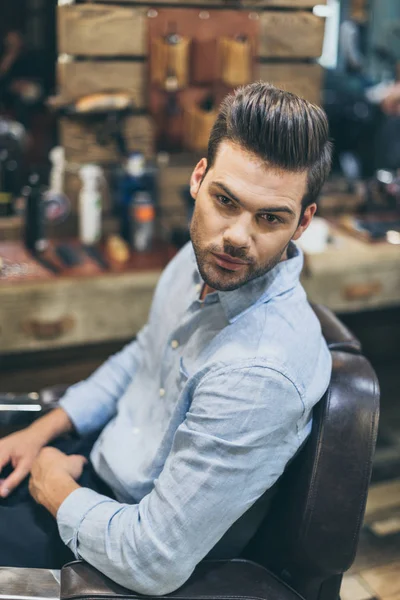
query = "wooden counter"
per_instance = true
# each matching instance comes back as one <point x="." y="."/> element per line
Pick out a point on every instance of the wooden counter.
<point x="68" y="311"/>
<point x="353" y="275"/>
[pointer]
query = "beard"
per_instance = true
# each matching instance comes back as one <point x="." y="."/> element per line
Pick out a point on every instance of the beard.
<point x="224" y="280"/>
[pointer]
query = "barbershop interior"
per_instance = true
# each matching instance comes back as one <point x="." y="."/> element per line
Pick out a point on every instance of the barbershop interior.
<point x="106" y="108"/>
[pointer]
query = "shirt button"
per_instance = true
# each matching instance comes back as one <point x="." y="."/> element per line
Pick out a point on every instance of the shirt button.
<point x="174" y="344"/>
<point x="162" y="392"/>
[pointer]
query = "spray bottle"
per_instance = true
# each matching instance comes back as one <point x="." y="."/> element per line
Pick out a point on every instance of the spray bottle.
<point x="90" y="204"/>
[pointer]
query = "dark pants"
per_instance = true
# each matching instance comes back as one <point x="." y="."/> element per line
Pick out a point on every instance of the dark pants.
<point x="28" y="533"/>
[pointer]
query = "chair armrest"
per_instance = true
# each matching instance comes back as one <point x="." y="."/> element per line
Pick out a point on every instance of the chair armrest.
<point x="214" y="580"/>
<point x="20" y="410"/>
<point x="23" y="584"/>
<point x="336" y="334"/>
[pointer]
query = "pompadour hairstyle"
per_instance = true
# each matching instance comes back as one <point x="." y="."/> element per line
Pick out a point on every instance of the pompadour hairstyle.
<point x="287" y="132"/>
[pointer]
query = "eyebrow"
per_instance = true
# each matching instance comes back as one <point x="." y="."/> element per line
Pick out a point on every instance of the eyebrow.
<point x="271" y="209"/>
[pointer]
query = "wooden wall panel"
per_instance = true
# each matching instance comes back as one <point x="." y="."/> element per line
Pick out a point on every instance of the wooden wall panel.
<point x="79" y="78"/>
<point x="305" y="80"/>
<point x="283" y="3"/>
<point x="235" y="3"/>
<point x="101" y="30"/>
<point x="108" y="30"/>
<point x="79" y="140"/>
<point x="291" y="34"/>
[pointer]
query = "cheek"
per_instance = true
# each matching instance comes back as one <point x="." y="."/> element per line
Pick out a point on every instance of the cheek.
<point x="270" y="243"/>
<point x="208" y="220"/>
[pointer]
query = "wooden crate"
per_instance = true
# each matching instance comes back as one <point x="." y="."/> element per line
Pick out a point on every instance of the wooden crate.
<point x="101" y="30"/>
<point x="109" y="30"/>
<point x="283" y="3"/>
<point x="173" y="178"/>
<point x="291" y="34"/>
<point x="78" y="78"/>
<point x="235" y="3"/>
<point x="79" y="140"/>
<point x="302" y="79"/>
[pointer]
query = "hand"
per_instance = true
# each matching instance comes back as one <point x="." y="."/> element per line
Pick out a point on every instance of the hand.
<point x="391" y="103"/>
<point x="20" y="449"/>
<point x="53" y="477"/>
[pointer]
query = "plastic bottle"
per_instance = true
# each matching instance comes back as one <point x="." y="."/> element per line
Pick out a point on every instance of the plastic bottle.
<point x="57" y="203"/>
<point x="131" y="182"/>
<point x="90" y="204"/>
<point x="34" y="215"/>
<point x="143" y="217"/>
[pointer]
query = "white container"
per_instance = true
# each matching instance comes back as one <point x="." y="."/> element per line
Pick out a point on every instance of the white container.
<point x="90" y="204"/>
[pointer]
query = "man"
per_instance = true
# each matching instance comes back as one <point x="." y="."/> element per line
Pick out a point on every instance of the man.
<point x="201" y="414"/>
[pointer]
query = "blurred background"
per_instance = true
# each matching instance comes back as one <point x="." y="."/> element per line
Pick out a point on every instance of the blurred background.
<point x="105" y="108"/>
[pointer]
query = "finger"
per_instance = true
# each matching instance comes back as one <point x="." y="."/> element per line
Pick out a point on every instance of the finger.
<point x="4" y="459"/>
<point x="77" y="462"/>
<point x="13" y="480"/>
<point x="79" y="457"/>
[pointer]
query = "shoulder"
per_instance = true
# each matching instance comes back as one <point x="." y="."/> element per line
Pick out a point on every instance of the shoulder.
<point x="249" y="394"/>
<point x="283" y="336"/>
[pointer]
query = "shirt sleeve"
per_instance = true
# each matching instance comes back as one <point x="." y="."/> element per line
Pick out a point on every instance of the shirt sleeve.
<point x="90" y="404"/>
<point x="240" y="432"/>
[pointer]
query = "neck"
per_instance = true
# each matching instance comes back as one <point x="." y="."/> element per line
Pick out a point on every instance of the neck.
<point x="206" y="290"/>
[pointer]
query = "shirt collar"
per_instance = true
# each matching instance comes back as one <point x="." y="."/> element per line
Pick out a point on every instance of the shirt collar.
<point x="282" y="278"/>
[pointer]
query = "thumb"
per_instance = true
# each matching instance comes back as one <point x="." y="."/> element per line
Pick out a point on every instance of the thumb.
<point x="77" y="459"/>
<point x="76" y="462"/>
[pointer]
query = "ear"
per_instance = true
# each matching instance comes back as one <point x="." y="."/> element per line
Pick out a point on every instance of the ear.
<point x="197" y="177"/>
<point x="305" y="221"/>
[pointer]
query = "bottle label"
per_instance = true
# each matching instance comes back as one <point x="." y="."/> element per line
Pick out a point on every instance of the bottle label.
<point x="143" y="213"/>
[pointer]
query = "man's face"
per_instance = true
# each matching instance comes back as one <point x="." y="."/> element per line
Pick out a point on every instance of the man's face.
<point x="245" y="216"/>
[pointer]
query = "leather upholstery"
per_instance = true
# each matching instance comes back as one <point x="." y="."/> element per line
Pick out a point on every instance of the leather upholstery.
<point x="220" y="580"/>
<point x="312" y="530"/>
<point x="309" y="536"/>
<point x="336" y="335"/>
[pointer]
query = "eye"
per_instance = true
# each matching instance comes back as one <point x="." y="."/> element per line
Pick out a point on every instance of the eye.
<point x="224" y="201"/>
<point x="271" y="218"/>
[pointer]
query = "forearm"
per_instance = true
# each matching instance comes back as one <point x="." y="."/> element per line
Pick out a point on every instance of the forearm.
<point x="91" y="404"/>
<point x="52" y="425"/>
<point x="56" y="488"/>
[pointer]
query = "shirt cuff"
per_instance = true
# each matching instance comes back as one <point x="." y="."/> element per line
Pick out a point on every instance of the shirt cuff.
<point x="72" y="512"/>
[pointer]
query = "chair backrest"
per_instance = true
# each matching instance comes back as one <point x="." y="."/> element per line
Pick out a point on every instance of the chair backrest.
<point x="310" y="535"/>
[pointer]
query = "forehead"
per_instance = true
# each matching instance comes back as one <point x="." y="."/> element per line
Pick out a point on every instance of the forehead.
<point x="249" y="177"/>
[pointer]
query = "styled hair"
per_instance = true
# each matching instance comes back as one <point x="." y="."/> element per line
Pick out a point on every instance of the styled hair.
<point x="287" y="132"/>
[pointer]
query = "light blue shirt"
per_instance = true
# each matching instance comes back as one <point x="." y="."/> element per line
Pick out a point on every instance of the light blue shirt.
<point x="201" y="414"/>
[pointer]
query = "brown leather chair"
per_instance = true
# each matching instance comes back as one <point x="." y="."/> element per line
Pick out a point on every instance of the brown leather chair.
<point x="309" y="536"/>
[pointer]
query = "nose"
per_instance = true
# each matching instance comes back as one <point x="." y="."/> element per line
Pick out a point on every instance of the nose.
<point x="238" y="233"/>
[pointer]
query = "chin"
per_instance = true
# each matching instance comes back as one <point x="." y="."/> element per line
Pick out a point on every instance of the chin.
<point x="224" y="282"/>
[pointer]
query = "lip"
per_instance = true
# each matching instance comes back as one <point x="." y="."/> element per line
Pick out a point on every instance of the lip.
<point x="229" y="263"/>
